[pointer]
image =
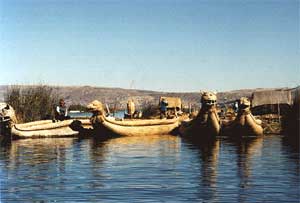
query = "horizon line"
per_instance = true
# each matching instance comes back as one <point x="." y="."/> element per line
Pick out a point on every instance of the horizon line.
<point x="136" y="89"/>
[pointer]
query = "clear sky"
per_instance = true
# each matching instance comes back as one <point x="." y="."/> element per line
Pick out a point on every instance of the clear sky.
<point x="169" y="45"/>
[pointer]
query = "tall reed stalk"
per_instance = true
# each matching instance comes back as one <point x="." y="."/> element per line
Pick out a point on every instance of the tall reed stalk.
<point x="31" y="103"/>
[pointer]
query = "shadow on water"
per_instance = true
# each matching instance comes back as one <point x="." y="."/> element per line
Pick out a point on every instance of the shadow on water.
<point x="292" y="141"/>
<point x="5" y="141"/>
<point x="291" y="148"/>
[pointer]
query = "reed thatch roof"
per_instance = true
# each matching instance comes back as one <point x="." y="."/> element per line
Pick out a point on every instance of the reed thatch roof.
<point x="296" y="95"/>
<point x="271" y="97"/>
<point x="173" y="102"/>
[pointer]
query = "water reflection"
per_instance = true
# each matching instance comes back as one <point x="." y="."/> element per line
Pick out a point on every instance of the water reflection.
<point x="290" y="147"/>
<point x="81" y="169"/>
<point x="33" y="162"/>
<point x="246" y="150"/>
<point x="207" y="151"/>
<point x="149" y="168"/>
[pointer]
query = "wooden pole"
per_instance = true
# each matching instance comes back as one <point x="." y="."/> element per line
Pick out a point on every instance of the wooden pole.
<point x="278" y="110"/>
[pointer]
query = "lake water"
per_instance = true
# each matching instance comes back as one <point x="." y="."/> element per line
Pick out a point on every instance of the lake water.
<point x="118" y="114"/>
<point x="149" y="169"/>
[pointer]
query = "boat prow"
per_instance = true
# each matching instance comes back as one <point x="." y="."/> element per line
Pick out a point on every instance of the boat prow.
<point x="245" y="124"/>
<point x="208" y="128"/>
<point x="207" y="123"/>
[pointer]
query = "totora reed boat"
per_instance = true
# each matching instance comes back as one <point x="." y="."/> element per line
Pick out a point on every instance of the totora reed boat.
<point x="46" y="128"/>
<point x="38" y="129"/>
<point x="130" y="127"/>
<point x="207" y="122"/>
<point x="245" y="124"/>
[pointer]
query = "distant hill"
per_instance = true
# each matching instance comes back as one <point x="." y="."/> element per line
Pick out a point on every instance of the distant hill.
<point x="119" y="97"/>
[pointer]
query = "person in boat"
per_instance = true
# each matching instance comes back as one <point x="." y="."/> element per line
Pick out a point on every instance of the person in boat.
<point x="61" y="111"/>
<point x="163" y="108"/>
<point x="130" y="109"/>
<point x="236" y="106"/>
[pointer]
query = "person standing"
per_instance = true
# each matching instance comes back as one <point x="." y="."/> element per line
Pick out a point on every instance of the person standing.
<point x="163" y="108"/>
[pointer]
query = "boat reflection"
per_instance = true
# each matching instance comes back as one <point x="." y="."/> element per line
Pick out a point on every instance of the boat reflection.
<point x="247" y="149"/>
<point x="152" y="145"/>
<point x="208" y="154"/>
<point x="38" y="151"/>
<point x="291" y="149"/>
<point x="149" y="168"/>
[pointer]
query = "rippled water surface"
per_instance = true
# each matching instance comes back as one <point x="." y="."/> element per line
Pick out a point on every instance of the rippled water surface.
<point x="149" y="169"/>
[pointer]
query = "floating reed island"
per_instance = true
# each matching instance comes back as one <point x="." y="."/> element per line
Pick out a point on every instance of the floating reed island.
<point x="233" y="119"/>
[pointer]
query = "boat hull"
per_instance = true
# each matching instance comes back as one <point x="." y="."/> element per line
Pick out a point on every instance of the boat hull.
<point x="206" y="125"/>
<point x="46" y="129"/>
<point x="244" y="125"/>
<point x="138" y="127"/>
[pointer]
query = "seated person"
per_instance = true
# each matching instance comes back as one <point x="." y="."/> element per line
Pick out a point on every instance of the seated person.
<point x="61" y="111"/>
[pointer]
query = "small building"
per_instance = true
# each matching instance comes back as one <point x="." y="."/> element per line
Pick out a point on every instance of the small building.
<point x="271" y="102"/>
<point x="174" y="103"/>
<point x="272" y="97"/>
<point x="296" y="95"/>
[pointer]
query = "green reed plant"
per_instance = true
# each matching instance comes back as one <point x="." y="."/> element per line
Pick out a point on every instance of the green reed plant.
<point x="32" y="103"/>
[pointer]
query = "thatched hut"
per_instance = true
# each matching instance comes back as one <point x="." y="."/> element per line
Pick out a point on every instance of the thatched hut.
<point x="174" y="106"/>
<point x="271" y="97"/>
<point x="174" y="103"/>
<point x="271" y="102"/>
<point x="296" y="95"/>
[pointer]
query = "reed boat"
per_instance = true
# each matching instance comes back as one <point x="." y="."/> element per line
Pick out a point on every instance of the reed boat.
<point x="46" y="129"/>
<point x="207" y="122"/>
<point x="38" y="129"/>
<point x="140" y="127"/>
<point x="130" y="127"/>
<point x="7" y="118"/>
<point x="245" y="124"/>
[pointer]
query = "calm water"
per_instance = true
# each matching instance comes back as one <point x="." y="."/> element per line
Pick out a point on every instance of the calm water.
<point x="118" y="114"/>
<point x="149" y="169"/>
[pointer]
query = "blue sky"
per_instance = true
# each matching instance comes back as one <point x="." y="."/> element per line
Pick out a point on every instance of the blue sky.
<point x="177" y="45"/>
